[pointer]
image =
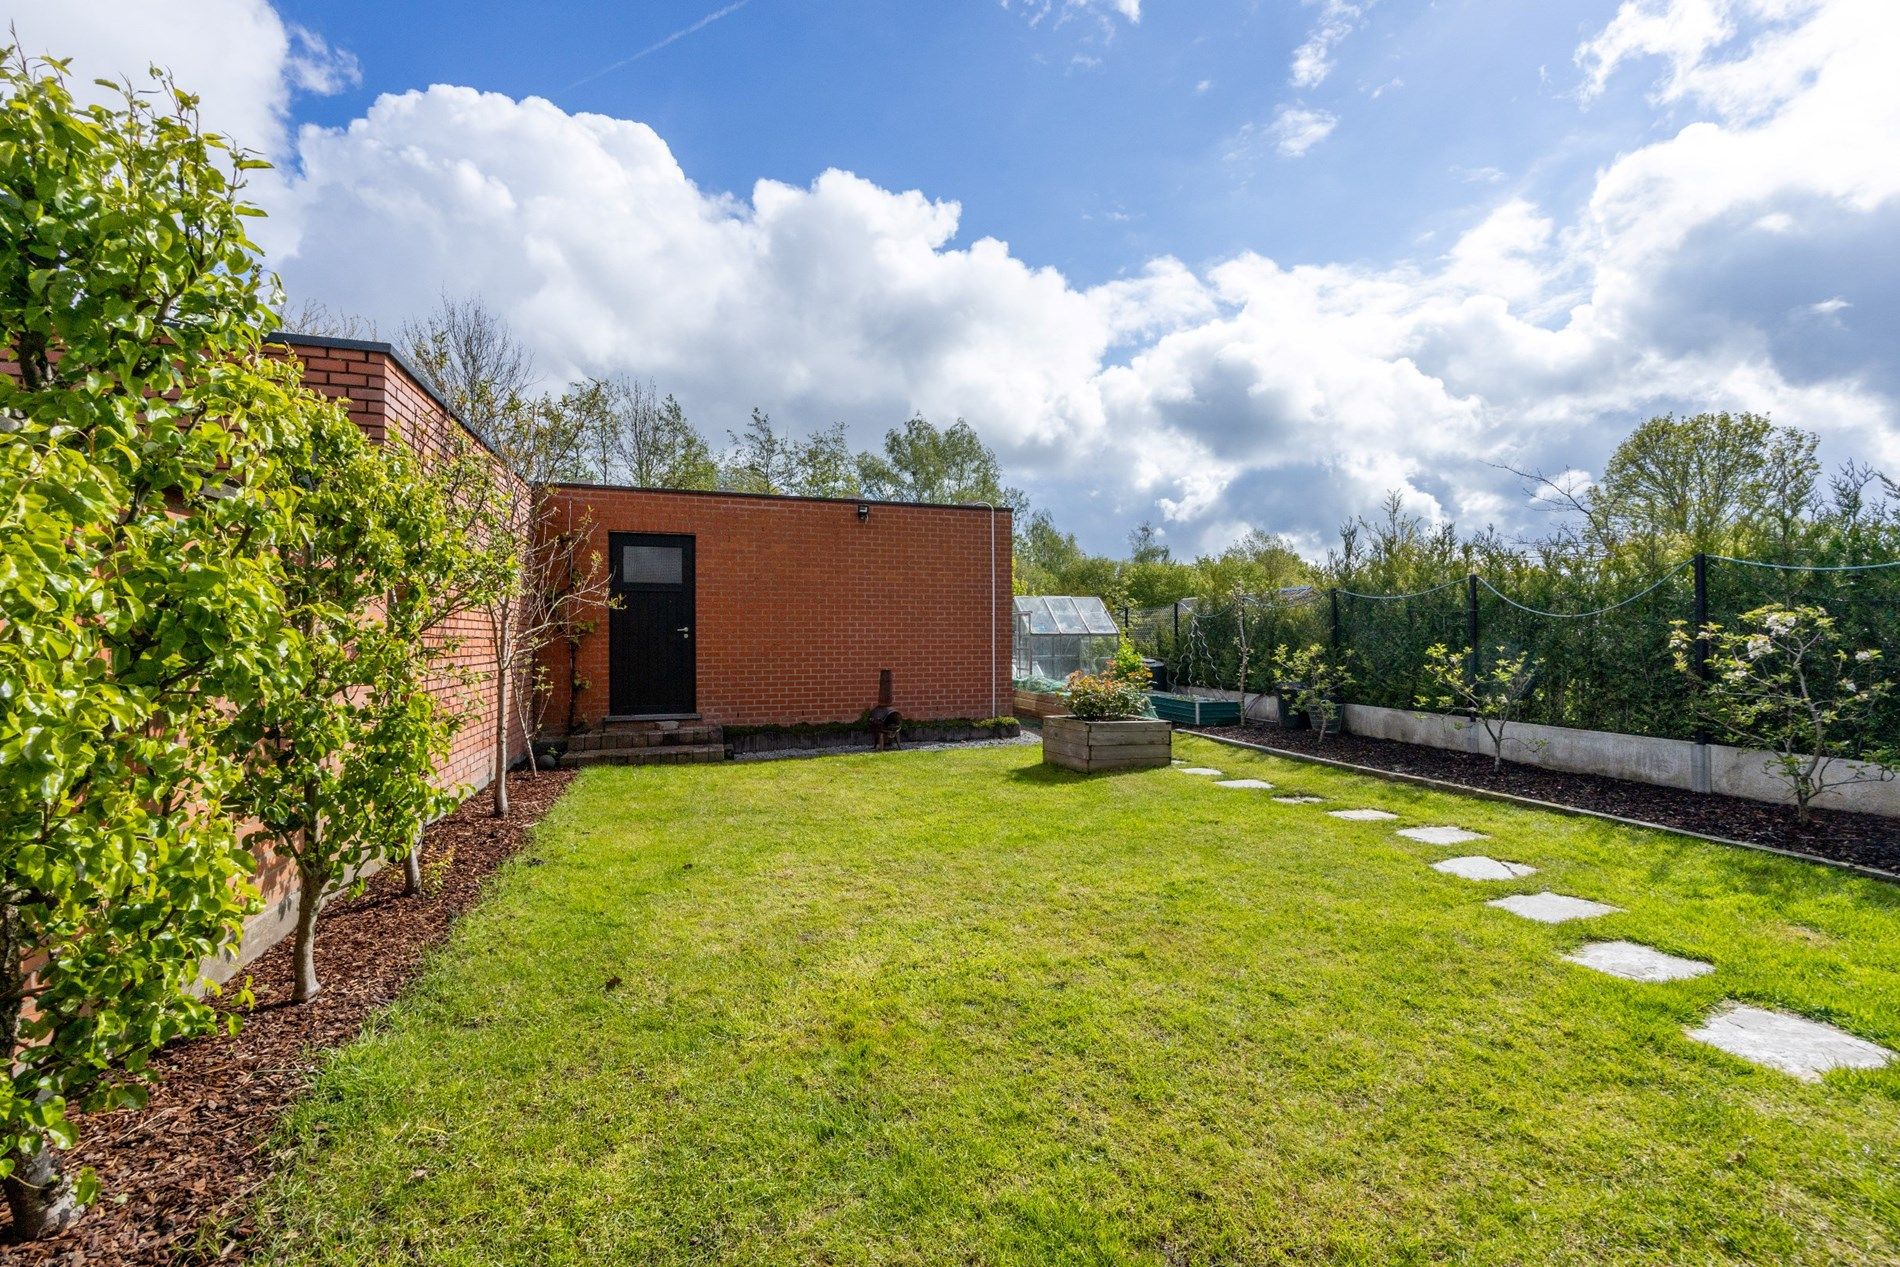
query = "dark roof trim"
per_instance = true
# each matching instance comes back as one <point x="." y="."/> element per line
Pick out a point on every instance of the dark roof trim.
<point x="291" y="339"/>
<point x="776" y="497"/>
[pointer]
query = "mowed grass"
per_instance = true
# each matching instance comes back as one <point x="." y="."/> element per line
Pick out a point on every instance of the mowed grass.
<point x="957" y="1007"/>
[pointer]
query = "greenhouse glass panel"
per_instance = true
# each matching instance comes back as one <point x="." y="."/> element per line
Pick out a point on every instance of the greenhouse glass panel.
<point x="1036" y="611"/>
<point x="1068" y="620"/>
<point x="1096" y="619"/>
<point x="1057" y="635"/>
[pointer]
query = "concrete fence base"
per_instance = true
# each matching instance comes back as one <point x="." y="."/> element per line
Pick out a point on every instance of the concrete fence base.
<point x="1677" y="763"/>
<point x="1681" y="763"/>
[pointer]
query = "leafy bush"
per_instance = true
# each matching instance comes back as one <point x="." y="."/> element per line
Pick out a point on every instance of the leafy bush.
<point x="1787" y="681"/>
<point x="1494" y="698"/>
<point x="1312" y="679"/>
<point x="1119" y="690"/>
<point x="344" y="740"/>
<point x="137" y="595"/>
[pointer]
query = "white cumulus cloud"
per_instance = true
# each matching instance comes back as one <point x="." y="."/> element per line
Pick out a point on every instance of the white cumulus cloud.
<point x="1244" y="390"/>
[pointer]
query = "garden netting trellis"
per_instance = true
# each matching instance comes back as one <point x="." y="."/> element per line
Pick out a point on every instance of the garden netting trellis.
<point x="1599" y="643"/>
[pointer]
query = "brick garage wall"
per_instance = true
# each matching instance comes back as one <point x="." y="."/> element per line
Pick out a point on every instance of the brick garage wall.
<point x="799" y="605"/>
<point x="385" y="399"/>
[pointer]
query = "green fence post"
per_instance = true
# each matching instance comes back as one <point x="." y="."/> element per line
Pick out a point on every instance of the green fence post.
<point x="1700" y="652"/>
<point x="1471" y="631"/>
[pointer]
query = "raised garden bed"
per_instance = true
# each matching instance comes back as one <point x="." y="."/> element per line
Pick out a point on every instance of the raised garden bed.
<point x="1193" y="710"/>
<point x="1039" y="703"/>
<point x="1138" y="743"/>
<point x="1861" y="839"/>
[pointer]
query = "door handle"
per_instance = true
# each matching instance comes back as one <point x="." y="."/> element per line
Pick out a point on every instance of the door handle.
<point x="684" y="631"/>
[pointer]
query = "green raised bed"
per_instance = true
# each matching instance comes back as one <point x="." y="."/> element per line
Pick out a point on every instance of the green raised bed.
<point x="1192" y="710"/>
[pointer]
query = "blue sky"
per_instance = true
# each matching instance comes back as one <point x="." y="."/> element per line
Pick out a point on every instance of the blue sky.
<point x="1222" y="265"/>
<point x="1086" y="142"/>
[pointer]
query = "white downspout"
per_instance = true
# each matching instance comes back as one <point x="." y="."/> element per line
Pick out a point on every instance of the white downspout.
<point x="992" y="670"/>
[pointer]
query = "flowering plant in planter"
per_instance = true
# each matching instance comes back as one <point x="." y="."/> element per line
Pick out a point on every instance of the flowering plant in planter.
<point x="1119" y="690"/>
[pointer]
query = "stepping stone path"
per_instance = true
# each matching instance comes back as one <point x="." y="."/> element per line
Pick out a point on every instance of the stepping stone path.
<point x="1634" y="962"/>
<point x="1793" y="1044"/>
<point x="1552" y="908"/>
<point x="1440" y="835"/>
<point x="1478" y="867"/>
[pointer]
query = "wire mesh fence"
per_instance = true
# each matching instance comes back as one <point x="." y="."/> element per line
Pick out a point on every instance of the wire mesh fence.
<point x="1599" y="645"/>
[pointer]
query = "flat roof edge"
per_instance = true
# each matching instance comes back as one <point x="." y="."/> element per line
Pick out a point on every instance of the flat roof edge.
<point x="292" y="339"/>
<point x="578" y="486"/>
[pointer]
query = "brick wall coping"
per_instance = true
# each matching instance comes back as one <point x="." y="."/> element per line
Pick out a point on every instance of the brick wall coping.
<point x="581" y="487"/>
<point x="291" y="339"/>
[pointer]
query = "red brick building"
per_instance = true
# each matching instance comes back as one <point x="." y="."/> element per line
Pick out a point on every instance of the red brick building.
<point x="737" y="609"/>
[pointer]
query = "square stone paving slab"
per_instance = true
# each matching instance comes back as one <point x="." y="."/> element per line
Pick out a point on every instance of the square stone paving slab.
<point x="1259" y="783"/>
<point x="1635" y="962"/>
<point x="1793" y="1044"/>
<point x="1552" y="908"/>
<point x="1199" y="769"/>
<point x="1299" y="800"/>
<point x="1362" y="815"/>
<point x="1440" y="835"/>
<point x="1479" y="867"/>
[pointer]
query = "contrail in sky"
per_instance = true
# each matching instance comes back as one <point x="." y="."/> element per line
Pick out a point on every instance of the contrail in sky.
<point x="680" y="34"/>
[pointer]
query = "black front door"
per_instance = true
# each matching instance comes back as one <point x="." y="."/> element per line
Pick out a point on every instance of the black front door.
<point x="651" y="629"/>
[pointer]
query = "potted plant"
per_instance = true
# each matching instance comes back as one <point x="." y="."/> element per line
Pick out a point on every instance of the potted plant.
<point x="1108" y="726"/>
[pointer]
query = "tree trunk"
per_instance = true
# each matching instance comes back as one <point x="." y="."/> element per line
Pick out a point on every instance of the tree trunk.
<point x="573" y="685"/>
<point x="412" y="871"/>
<point x="502" y="669"/>
<point x="309" y="904"/>
<point x="40" y="1195"/>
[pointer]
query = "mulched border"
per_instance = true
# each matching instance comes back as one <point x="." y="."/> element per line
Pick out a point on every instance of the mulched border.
<point x="1863" y="840"/>
<point x="178" y="1174"/>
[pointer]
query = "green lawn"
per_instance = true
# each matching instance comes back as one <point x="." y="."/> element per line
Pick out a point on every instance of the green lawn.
<point x="956" y="1007"/>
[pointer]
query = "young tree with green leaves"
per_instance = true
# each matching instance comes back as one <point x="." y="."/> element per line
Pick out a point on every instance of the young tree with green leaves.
<point x="530" y="578"/>
<point x="1312" y="678"/>
<point x="138" y="602"/>
<point x="1787" y="681"/>
<point x="1493" y="697"/>
<point x="763" y="459"/>
<point x="344" y="740"/>
<point x="631" y="436"/>
<point x="924" y="463"/>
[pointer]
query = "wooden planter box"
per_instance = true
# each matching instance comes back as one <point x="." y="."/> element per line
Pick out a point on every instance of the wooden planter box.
<point x="1038" y="704"/>
<point x="1138" y="743"/>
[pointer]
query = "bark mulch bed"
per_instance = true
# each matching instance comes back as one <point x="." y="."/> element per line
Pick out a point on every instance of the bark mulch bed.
<point x="1867" y="840"/>
<point x="177" y="1176"/>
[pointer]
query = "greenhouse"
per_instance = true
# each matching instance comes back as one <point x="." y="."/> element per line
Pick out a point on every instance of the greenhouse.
<point x="1057" y="635"/>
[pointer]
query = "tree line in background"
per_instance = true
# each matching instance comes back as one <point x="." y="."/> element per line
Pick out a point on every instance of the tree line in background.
<point x="1720" y="484"/>
<point x="619" y="429"/>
